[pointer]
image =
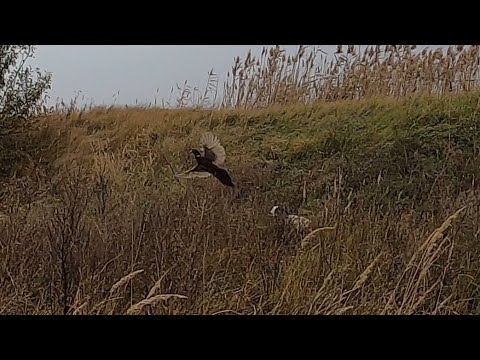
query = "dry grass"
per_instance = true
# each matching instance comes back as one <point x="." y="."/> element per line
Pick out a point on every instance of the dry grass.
<point x="309" y="75"/>
<point x="103" y="203"/>
<point x="92" y="220"/>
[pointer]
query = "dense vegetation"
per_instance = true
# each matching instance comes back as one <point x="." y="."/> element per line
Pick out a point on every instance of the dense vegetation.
<point x="381" y="154"/>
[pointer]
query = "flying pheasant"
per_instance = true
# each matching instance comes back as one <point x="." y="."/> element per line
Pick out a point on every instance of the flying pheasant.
<point x="209" y="157"/>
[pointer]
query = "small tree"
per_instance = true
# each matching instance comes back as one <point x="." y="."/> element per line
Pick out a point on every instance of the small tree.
<point x="22" y="89"/>
<point x="22" y="96"/>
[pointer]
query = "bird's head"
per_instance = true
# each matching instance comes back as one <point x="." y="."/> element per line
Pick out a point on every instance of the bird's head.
<point x="195" y="152"/>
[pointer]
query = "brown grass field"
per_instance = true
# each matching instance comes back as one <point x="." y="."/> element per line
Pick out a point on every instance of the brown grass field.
<point x="92" y="220"/>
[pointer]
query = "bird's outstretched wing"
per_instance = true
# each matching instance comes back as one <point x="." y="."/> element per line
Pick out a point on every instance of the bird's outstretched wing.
<point x="212" y="148"/>
<point x="193" y="173"/>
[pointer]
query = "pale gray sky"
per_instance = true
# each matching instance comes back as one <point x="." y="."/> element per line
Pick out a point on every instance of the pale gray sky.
<point x="137" y="71"/>
<point x="100" y="71"/>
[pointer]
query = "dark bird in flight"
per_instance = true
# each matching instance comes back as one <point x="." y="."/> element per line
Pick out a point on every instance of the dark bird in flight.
<point x="209" y="157"/>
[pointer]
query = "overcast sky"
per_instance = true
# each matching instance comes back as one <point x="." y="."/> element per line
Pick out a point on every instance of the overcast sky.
<point x="100" y="71"/>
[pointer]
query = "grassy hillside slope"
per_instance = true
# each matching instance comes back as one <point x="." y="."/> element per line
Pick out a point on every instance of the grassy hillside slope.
<point x="96" y="200"/>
